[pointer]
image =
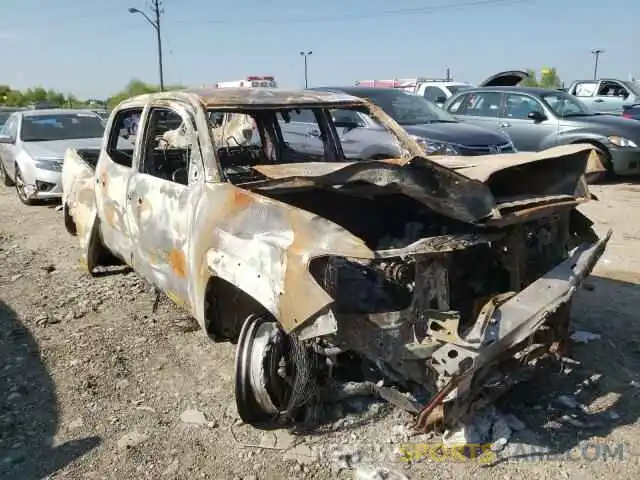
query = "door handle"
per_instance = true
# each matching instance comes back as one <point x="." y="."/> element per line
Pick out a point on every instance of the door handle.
<point x="598" y="100"/>
<point x="314" y="133"/>
<point x="132" y="195"/>
<point x="505" y="125"/>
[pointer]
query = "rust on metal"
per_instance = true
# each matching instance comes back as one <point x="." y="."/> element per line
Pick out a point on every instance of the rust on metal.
<point x="178" y="263"/>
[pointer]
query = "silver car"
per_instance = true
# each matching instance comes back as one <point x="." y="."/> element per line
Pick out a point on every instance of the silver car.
<point x="32" y="147"/>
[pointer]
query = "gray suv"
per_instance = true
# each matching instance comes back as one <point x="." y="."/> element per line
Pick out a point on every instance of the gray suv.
<point x="538" y="118"/>
<point x="437" y="131"/>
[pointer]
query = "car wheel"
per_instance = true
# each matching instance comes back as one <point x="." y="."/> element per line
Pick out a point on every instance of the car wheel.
<point x="4" y="178"/>
<point x="261" y="392"/>
<point x="21" y="188"/>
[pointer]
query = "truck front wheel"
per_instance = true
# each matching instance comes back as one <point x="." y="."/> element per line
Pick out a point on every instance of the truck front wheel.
<point x="69" y="224"/>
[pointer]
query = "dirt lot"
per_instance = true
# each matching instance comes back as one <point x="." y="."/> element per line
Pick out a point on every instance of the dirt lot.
<point x="94" y="385"/>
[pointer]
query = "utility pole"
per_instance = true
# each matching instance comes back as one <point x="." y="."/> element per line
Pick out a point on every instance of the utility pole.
<point x="596" y="55"/>
<point x="448" y="75"/>
<point x="306" y="69"/>
<point x="156" y="8"/>
<point x="156" y="26"/>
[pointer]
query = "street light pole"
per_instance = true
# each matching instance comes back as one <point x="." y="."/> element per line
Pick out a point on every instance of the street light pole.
<point x="306" y="69"/>
<point x="596" y="54"/>
<point x="156" y="26"/>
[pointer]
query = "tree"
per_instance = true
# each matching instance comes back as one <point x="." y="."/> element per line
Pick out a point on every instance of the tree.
<point x="548" y="79"/>
<point x="137" y="87"/>
<point x="16" y="98"/>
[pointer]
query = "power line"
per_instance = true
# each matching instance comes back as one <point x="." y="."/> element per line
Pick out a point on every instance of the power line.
<point x="462" y="5"/>
<point x="349" y="17"/>
<point x="361" y="16"/>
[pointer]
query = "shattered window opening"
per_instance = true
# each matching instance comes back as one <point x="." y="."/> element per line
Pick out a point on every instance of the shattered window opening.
<point x="169" y="142"/>
<point x="123" y="135"/>
<point x="247" y="138"/>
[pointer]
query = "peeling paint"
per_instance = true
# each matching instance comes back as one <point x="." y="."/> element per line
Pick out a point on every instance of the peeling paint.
<point x="178" y="263"/>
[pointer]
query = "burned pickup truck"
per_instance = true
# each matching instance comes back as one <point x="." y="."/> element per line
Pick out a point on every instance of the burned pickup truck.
<point x="444" y="279"/>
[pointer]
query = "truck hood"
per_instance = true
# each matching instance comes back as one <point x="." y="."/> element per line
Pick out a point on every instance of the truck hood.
<point x="509" y="78"/>
<point x="56" y="149"/>
<point x="458" y="133"/>
<point x="469" y="189"/>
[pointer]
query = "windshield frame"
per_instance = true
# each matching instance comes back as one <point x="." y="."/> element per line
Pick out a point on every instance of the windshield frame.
<point x="57" y="116"/>
<point x="279" y="139"/>
<point x="3" y="118"/>
<point x="455" y="89"/>
<point x="584" y="110"/>
<point x="434" y="114"/>
<point x="633" y="87"/>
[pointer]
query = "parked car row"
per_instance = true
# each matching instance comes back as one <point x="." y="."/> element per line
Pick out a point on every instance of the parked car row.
<point x="437" y="131"/>
<point x="537" y="118"/>
<point x="532" y="119"/>
<point x="497" y="117"/>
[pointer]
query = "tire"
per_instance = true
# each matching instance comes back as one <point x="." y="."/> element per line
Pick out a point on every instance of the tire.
<point x="258" y="402"/>
<point x="4" y="178"/>
<point x="20" y="189"/>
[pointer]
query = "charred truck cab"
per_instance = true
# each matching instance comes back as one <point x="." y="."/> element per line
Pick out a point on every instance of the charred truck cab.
<point x="448" y="279"/>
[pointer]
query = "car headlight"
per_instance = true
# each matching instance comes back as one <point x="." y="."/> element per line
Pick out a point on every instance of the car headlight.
<point x="51" y="165"/>
<point x="435" y="148"/>
<point x="622" y="142"/>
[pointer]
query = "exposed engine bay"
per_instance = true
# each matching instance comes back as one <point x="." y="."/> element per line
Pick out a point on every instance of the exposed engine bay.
<point x="425" y="315"/>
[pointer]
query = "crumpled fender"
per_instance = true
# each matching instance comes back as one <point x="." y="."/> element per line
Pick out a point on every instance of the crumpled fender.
<point x="79" y="203"/>
<point x="265" y="250"/>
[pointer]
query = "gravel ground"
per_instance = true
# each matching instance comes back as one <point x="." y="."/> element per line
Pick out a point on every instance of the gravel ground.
<point x="94" y="385"/>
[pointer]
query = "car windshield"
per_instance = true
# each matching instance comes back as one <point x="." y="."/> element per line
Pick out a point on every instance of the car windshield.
<point x="61" y="126"/>
<point x="565" y="105"/>
<point x="3" y="117"/>
<point x="407" y="109"/>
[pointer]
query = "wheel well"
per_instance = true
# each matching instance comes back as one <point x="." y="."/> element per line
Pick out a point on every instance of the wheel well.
<point x="595" y="143"/>
<point x="226" y="307"/>
<point x="69" y="224"/>
<point x="379" y="157"/>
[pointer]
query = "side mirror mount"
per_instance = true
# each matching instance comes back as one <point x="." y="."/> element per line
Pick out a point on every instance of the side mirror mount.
<point x="350" y="125"/>
<point x="441" y="100"/>
<point x="247" y="133"/>
<point x="537" y="116"/>
<point x="7" y="140"/>
<point x="180" y="176"/>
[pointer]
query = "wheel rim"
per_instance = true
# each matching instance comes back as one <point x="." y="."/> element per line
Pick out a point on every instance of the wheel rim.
<point x="20" y="187"/>
<point x="261" y="394"/>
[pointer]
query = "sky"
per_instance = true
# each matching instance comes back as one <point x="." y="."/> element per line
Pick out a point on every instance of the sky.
<point x="92" y="48"/>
